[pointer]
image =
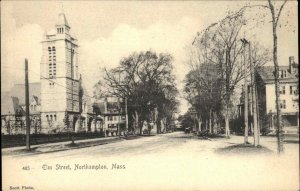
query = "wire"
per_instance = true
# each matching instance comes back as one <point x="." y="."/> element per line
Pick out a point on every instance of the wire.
<point x="43" y="77"/>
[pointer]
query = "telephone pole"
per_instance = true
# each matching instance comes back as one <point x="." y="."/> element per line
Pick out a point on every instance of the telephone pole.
<point x="245" y="95"/>
<point x="27" y="106"/>
<point x="126" y="115"/>
<point x="254" y="106"/>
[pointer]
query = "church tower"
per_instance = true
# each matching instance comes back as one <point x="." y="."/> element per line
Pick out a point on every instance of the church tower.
<point x="59" y="79"/>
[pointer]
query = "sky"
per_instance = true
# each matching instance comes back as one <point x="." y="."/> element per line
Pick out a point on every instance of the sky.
<point x="109" y="30"/>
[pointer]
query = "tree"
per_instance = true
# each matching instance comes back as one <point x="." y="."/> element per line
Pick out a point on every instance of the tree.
<point x="146" y="80"/>
<point x="275" y="19"/>
<point x="276" y="12"/>
<point x="203" y="93"/>
<point x="220" y="47"/>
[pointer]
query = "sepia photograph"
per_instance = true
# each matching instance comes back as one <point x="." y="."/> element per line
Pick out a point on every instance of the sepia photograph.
<point x="149" y="95"/>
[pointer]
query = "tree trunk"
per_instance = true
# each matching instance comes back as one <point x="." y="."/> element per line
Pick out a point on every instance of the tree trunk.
<point x="278" y="112"/>
<point x="137" y="122"/>
<point x="199" y="123"/>
<point x="227" y="131"/>
<point x="215" y="126"/>
<point x="141" y="128"/>
<point x="210" y="128"/>
<point x="157" y="127"/>
<point x="275" y="19"/>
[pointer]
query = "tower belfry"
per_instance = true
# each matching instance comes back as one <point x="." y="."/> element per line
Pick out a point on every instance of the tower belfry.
<point x="62" y="25"/>
<point x="59" y="76"/>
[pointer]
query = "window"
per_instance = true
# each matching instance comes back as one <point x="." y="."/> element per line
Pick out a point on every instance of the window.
<point x="291" y="90"/>
<point x="52" y="70"/>
<point x="282" y="90"/>
<point x="54" y="117"/>
<point x="34" y="108"/>
<point x="72" y="63"/>
<point x="282" y="74"/>
<point x="282" y="104"/>
<point x="47" y="117"/>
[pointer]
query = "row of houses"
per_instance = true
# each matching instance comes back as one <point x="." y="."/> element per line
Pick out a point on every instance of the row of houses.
<point x="266" y="99"/>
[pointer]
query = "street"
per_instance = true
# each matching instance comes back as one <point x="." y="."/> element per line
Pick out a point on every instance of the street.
<point x="166" y="161"/>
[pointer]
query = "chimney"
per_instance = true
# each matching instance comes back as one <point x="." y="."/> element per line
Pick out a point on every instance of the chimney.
<point x="291" y="62"/>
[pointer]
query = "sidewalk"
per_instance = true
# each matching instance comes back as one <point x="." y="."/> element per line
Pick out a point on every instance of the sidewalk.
<point x="62" y="146"/>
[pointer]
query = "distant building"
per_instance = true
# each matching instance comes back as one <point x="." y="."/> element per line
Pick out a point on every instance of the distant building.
<point x="112" y="111"/>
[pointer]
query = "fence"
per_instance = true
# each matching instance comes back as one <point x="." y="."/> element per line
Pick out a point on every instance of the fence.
<point x="19" y="140"/>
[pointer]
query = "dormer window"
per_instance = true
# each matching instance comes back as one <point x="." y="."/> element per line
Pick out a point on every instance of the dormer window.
<point x="282" y="73"/>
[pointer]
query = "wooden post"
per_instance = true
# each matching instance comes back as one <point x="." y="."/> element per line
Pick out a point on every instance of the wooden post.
<point x="255" y="128"/>
<point x="245" y="99"/>
<point x="126" y="115"/>
<point x="27" y="106"/>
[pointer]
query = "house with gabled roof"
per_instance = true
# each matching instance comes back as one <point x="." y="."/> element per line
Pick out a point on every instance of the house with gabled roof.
<point x="13" y="109"/>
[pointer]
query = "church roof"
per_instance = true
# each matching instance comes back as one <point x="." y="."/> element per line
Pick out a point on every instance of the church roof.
<point x="62" y="20"/>
<point x="18" y="91"/>
<point x="12" y="100"/>
<point x="7" y="106"/>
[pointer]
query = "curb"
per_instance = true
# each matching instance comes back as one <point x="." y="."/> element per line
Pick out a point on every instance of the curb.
<point x="19" y="152"/>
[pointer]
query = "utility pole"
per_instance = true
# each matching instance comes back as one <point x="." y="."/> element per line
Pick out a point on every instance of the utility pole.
<point x="255" y="128"/>
<point x="258" y="119"/>
<point x="118" y="130"/>
<point x="27" y="106"/>
<point x="126" y="115"/>
<point x="118" y="126"/>
<point x="245" y="95"/>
